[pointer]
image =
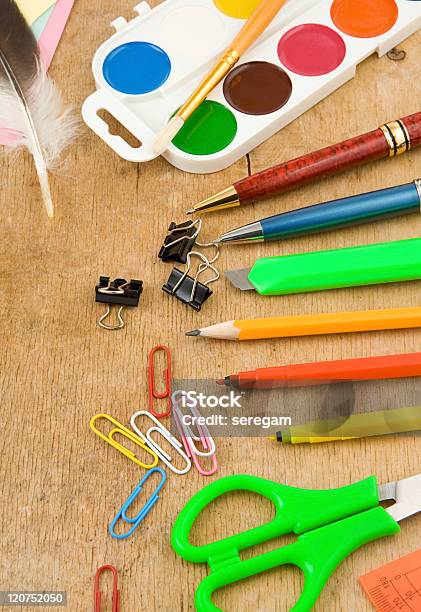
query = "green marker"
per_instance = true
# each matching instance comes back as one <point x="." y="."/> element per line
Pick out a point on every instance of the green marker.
<point x="375" y="264"/>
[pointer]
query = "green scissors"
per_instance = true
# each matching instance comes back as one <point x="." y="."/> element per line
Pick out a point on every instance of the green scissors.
<point x="331" y="523"/>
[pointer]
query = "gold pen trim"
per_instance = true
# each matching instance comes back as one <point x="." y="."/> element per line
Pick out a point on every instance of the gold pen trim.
<point x="405" y="131"/>
<point x="397" y="137"/>
<point x="389" y="140"/>
<point x="227" y="198"/>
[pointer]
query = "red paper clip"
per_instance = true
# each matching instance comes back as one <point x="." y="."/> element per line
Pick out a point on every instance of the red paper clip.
<point x="153" y="393"/>
<point x="97" y="592"/>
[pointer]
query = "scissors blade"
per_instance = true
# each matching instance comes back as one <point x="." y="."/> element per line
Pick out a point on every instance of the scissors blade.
<point x="406" y="493"/>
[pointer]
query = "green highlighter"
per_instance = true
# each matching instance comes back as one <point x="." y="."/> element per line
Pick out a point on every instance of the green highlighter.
<point x="387" y="262"/>
<point x="331" y="524"/>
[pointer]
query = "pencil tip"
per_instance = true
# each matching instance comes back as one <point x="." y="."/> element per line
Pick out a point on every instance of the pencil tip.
<point x="221" y="382"/>
<point x="190" y="212"/>
<point x="194" y="332"/>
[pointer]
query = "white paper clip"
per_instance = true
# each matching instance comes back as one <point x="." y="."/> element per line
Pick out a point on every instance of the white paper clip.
<point x="162" y="454"/>
<point x="189" y="437"/>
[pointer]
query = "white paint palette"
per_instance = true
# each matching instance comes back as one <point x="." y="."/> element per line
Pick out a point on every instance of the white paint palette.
<point x="149" y="67"/>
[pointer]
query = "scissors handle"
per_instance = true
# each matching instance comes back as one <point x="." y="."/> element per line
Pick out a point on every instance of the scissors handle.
<point x="296" y="511"/>
<point x="317" y="553"/>
<point x="333" y="523"/>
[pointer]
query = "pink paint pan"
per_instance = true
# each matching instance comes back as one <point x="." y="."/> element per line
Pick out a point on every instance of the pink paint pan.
<point x="311" y="49"/>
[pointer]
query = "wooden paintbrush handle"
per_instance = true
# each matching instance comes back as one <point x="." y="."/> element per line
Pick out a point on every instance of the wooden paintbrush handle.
<point x="325" y="162"/>
<point x="256" y="24"/>
<point x="250" y="32"/>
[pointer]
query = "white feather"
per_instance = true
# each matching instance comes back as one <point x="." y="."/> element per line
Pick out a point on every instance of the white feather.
<point x="46" y="131"/>
<point x="56" y="126"/>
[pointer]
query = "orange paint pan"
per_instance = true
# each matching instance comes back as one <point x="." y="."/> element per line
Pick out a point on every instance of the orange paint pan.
<point x="364" y="18"/>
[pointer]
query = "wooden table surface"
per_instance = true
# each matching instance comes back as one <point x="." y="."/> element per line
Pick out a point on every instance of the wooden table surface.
<point x="61" y="485"/>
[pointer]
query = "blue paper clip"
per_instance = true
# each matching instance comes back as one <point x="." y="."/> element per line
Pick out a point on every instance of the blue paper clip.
<point x="135" y="522"/>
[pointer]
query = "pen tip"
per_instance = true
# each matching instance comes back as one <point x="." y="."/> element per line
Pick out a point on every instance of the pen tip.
<point x="190" y="212"/>
<point x="194" y="332"/>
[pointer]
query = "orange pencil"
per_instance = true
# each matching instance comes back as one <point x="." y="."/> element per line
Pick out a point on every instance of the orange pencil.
<point x="324" y="372"/>
<point x="313" y="325"/>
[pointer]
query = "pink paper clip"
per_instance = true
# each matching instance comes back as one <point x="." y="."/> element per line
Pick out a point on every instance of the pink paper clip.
<point x="188" y="437"/>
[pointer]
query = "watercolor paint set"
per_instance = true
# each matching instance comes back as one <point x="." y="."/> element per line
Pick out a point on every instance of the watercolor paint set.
<point x="147" y="69"/>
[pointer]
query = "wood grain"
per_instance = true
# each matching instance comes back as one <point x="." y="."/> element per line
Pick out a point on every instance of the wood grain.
<point x="60" y="484"/>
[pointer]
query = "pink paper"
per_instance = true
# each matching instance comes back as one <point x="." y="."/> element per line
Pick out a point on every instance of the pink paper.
<point x="48" y="44"/>
<point x="51" y="36"/>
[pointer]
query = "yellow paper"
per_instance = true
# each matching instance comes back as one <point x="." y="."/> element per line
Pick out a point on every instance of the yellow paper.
<point x="32" y="9"/>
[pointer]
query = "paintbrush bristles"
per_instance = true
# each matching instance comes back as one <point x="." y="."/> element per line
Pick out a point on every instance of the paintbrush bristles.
<point x="31" y="108"/>
<point x="167" y="134"/>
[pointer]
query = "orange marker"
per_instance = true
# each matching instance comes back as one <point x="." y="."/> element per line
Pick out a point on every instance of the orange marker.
<point x="322" y="372"/>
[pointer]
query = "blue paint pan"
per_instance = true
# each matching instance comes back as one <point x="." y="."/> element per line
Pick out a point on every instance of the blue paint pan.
<point x="136" y="68"/>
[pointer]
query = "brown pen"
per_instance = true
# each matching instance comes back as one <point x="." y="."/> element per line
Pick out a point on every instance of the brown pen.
<point x="389" y="140"/>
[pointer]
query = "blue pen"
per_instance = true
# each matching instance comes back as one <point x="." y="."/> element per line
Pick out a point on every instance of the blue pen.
<point x="362" y="208"/>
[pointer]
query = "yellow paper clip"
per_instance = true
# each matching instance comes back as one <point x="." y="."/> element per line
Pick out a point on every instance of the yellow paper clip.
<point x="123" y="431"/>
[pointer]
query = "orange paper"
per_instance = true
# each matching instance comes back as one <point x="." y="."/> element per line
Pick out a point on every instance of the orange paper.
<point x="395" y="587"/>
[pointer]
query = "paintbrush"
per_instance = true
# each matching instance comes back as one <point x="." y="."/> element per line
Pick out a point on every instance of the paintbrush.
<point x="253" y="28"/>
<point x="31" y="109"/>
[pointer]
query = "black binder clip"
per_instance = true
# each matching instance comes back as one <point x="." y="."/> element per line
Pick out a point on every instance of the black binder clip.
<point x="117" y="292"/>
<point x="188" y="289"/>
<point x="180" y="241"/>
